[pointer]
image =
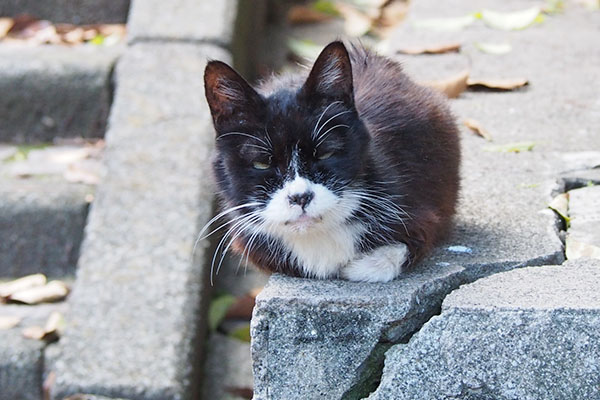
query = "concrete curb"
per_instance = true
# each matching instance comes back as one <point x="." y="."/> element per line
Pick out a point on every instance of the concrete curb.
<point x="69" y="11"/>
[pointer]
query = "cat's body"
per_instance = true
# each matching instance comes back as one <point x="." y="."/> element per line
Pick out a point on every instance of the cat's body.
<point x="351" y="171"/>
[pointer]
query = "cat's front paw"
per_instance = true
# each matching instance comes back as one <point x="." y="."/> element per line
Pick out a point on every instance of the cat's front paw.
<point x="381" y="265"/>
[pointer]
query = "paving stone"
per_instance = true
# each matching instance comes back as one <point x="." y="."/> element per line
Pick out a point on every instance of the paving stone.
<point x="583" y="235"/>
<point x="332" y="331"/>
<point x="135" y="319"/>
<point x="71" y="11"/>
<point x="559" y="112"/>
<point x="188" y="20"/>
<point x="41" y="225"/>
<point x="21" y="367"/>
<point x="525" y="334"/>
<point x="50" y="91"/>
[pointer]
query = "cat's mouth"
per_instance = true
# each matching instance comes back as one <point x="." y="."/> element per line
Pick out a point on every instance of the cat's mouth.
<point x="303" y="221"/>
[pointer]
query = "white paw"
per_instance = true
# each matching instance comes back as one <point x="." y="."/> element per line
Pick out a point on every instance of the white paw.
<point x="381" y="265"/>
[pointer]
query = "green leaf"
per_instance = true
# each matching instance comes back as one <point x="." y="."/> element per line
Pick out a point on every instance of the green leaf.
<point x="515" y="147"/>
<point x="97" y="40"/>
<point x="326" y="7"/>
<point x="446" y="24"/>
<point x="511" y="20"/>
<point x="304" y="48"/>
<point x="493" y="48"/>
<point x="560" y="205"/>
<point x="218" y="309"/>
<point x="242" y="333"/>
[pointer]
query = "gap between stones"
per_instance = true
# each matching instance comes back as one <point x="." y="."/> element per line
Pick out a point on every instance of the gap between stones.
<point x="371" y="371"/>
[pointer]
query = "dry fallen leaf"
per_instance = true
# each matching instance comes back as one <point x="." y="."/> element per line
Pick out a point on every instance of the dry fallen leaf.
<point x="356" y="23"/>
<point x="576" y="249"/>
<point x="9" y="288"/>
<point x="476" y="127"/>
<point x="243" y="392"/>
<point x="52" y="291"/>
<point x="306" y="15"/>
<point x="493" y="48"/>
<point x="8" y="322"/>
<point x="434" y="49"/>
<point x="5" y="25"/>
<point x="497" y="84"/>
<point x="242" y="308"/>
<point x="560" y="204"/>
<point x="452" y="86"/>
<point x="391" y="14"/>
<point x="511" y="20"/>
<point x="516" y="147"/>
<point x="50" y="332"/>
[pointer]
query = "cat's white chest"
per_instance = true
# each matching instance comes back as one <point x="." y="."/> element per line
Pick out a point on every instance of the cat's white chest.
<point x="321" y="254"/>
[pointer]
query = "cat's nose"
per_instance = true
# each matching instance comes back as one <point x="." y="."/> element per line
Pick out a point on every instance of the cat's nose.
<point x="301" y="199"/>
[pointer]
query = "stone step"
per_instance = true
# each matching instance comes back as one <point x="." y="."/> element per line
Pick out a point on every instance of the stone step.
<point x="52" y="90"/>
<point x="22" y="359"/>
<point x="42" y="213"/>
<point x="69" y="11"/>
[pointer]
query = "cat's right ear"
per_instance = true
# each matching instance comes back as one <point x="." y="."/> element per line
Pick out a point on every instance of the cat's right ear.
<point x="230" y="98"/>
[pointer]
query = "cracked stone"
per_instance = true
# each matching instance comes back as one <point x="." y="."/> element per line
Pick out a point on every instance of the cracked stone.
<point x="493" y="337"/>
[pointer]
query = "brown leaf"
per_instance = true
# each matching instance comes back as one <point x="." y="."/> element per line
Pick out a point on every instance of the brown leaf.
<point x="391" y="14"/>
<point x="497" y="84"/>
<point x="452" y="86"/>
<point x="50" y="332"/>
<point x="8" y="322"/>
<point x="243" y="392"/>
<point x="306" y="15"/>
<point x="242" y="308"/>
<point x="5" y="26"/>
<point x="9" y="288"/>
<point x="476" y="127"/>
<point x="356" y="23"/>
<point x="434" y="49"/>
<point x="52" y="291"/>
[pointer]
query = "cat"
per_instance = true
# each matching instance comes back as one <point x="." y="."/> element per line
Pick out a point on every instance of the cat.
<point x="350" y="171"/>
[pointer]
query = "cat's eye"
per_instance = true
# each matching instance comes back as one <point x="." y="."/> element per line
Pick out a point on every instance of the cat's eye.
<point x="323" y="156"/>
<point x="261" y="165"/>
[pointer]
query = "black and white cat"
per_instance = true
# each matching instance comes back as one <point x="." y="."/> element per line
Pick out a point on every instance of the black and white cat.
<point x="351" y="171"/>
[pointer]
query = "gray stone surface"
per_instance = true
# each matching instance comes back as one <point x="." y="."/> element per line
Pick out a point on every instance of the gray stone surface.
<point x="71" y="11"/>
<point x="21" y="367"/>
<point x="559" y="110"/>
<point x="228" y="365"/>
<point x="187" y="20"/>
<point x="41" y="225"/>
<point x="584" y="229"/>
<point x="136" y="314"/>
<point x="50" y="91"/>
<point x="503" y="223"/>
<point x="531" y="333"/>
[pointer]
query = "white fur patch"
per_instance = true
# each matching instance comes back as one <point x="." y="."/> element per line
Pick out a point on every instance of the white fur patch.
<point x="318" y="238"/>
<point x="381" y="265"/>
<point x="331" y="74"/>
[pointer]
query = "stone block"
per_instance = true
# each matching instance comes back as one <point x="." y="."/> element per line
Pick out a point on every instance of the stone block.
<point x="135" y="320"/>
<point x="525" y="334"/>
<point x="187" y="20"/>
<point x="50" y="91"/>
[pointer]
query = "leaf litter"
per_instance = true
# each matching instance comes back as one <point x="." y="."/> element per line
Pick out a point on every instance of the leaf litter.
<point x="451" y="47"/>
<point x="477" y="128"/>
<point x="33" y="289"/>
<point x="50" y="332"/>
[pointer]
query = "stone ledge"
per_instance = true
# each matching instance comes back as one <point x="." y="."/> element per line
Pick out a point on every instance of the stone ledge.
<point x="526" y="334"/>
<point x="70" y="11"/>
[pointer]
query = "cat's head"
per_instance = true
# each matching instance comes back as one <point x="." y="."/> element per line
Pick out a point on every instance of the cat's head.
<point x="288" y="159"/>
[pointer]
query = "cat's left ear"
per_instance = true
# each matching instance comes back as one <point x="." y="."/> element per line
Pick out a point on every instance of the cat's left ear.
<point x="331" y="75"/>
